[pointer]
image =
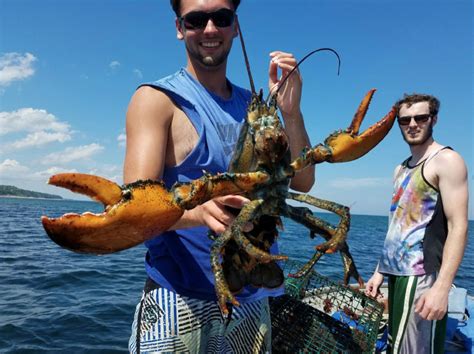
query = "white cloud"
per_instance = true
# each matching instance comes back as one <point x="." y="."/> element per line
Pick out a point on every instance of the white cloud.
<point x="38" y="139"/>
<point x="30" y="120"/>
<point x="72" y="154"/>
<point x="138" y="73"/>
<point x="117" y="179"/>
<point x="15" y="67"/>
<point x="114" y="65"/>
<point x="55" y="170"/>
<point x="122" y="140"/>
<point x="111" y="172"/>
<point x="43" y="128"/>
<point x="11" y="168"/>
<point x="356" y="183"/>
<point x="45" y="174"/>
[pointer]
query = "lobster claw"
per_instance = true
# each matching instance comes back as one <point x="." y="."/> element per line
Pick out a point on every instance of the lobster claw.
<point x="130" y="215"/>
<point x="348" y="145"/>
<point x="134" y="212"/>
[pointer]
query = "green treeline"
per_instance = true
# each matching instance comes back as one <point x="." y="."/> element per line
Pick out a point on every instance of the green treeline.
<point x="18" y="192"/>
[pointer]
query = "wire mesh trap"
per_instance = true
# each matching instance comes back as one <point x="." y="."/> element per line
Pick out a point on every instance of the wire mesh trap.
<point x="317" y="315"/>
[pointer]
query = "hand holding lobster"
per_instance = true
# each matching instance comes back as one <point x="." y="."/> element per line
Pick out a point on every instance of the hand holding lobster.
<point x="289" y="94"/>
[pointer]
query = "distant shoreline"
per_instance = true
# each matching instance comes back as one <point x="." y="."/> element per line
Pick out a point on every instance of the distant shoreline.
<point x="13" y="192"/>
<point x="22" y="197"/>
<point x="41" y="198"/>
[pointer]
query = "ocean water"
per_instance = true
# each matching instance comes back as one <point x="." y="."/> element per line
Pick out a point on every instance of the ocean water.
<point x="53" y="300"/>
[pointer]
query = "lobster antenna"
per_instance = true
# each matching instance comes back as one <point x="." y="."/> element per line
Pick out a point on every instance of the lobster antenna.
<point x="301" y="61"/>
<point x="247" y="64"/>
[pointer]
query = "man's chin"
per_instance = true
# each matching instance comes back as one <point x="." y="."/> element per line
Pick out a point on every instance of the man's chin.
<point x="416" y="141"/>
<point x="210" y="64"/>
<point x="413" y="142"/>
<point x="209" y="61"/>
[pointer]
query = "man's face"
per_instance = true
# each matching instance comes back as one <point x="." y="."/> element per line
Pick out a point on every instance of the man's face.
<point x="416" y="133"/>
<point x="208" y="46"/>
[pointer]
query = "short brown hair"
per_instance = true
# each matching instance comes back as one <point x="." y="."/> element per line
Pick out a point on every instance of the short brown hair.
<point x="176" y="5"/>
<point x="409" y="100"/>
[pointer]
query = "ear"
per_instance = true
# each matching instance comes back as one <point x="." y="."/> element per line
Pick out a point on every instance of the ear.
<point x="434" y="120"/>
<point x="179" y="30"/>
<point x="236" y="26"/>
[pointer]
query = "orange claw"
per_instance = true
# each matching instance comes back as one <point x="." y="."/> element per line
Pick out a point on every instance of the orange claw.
<point x="135" y="212"/>
<point x="98" y="188"/>
<point x="125" y="223"/>
<point x="348" y="145"/>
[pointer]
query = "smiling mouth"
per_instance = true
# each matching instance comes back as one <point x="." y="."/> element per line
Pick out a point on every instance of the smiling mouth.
<point x="213" y="44"/>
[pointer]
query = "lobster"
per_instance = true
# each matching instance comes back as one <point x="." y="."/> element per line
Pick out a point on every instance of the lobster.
<point x="261" y="169"/>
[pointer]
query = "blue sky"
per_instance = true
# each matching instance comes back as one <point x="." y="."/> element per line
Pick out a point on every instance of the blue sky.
<point x="69" y="68"/>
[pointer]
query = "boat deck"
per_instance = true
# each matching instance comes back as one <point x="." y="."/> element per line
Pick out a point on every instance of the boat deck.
<point x="460" y="334"/>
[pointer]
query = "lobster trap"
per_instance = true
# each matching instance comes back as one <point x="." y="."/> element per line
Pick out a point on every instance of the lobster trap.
<point x="317" y="315"/>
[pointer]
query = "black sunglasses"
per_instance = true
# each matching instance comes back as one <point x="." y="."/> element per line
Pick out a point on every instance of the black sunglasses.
<point x="420" y="118"/>
<point x="199" y="19"/>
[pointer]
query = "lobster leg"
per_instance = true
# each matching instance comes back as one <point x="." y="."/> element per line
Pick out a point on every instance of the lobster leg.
<point x="348" y="145"/>
<point x="242" y="268"/>
<point x="318" y="226"/>
<point x="338" y="235"/>
<point x="248" y="212"/>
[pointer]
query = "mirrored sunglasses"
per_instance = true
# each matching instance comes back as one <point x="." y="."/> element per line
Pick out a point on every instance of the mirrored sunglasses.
<point x="420" y="118"/>
<point x="199" y="19"/>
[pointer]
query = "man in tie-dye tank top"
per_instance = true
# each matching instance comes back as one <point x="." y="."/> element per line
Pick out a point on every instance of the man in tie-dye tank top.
<point x="427" y="232"/>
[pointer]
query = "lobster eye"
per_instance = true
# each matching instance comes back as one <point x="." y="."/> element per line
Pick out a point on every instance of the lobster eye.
<point x="126" y="194"/>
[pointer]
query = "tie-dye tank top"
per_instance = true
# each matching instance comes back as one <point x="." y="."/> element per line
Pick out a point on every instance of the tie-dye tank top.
<point x="417" y="225"/>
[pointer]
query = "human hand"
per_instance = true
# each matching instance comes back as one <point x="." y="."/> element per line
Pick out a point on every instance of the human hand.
<point x="216" y="214"/>
<point x="289" y="96"/>
<point x="433" y="304"/>
<point x="372" y="287"/>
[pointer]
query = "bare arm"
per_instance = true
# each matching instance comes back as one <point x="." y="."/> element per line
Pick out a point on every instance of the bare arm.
<point x="452" y="182"/>
<point x="289" y="98"/>
<point x="454" y="191"/>
<point x="149" y="118"/>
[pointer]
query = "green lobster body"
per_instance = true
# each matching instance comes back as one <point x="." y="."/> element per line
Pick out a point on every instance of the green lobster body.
<point x="261" y="136"/>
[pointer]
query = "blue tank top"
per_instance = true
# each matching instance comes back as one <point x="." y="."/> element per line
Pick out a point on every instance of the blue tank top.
<point x="180" y="260"/>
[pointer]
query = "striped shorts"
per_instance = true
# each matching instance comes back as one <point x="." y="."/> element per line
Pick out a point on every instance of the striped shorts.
<point x="166" y="322"/>
<point x="407" y="332"/>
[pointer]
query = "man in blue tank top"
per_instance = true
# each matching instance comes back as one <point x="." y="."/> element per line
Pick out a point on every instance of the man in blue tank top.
<point x="178" y="127"/>
<point x="427" y="232"/>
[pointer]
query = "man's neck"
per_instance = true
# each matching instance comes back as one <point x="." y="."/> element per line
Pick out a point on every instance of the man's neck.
<point x="213" y="79"/>
<point x="421" y="152"/>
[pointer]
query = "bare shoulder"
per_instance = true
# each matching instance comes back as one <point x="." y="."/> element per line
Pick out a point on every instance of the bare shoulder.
<point x="448" y="158"/>
<point x="449" y="164"/>
<point x="149" y="103"/>
<point x="150" y="94"/>
<point x="451" y="173"/>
